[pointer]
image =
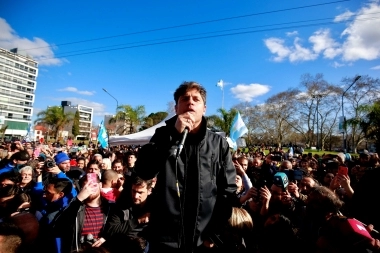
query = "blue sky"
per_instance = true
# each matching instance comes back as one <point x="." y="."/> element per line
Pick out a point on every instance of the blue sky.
<point x="140" y="51"/>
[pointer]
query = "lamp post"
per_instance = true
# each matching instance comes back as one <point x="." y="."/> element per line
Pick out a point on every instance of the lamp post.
<point x="344" y="119"/>
<point x="318" y="97"/>
<point x="117" y="102"/>
<point x="117" y="105"/>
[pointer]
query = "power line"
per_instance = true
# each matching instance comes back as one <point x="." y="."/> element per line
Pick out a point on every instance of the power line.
<point x="191" y="24"/>
<point x="197" y="38"/>
<point x="236" y="29"/>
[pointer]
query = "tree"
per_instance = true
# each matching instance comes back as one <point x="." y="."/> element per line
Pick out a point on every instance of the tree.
<point x="128" y="118"/>
<point x="278" y="110"/>
<point x="153" y="119"/>
<point x="2" y="131"/>
<point x="316" y="104"/>
<point x="363" y="93"/>
<point x="369" y="124"/>
<point x="252" y="116"/>
<point x="222" y="122"/>
<point x="55" y="118"/>
<point x="75" y="128"/>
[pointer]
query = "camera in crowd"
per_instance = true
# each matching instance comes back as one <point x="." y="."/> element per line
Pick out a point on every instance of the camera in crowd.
<point x="277" y="158"/>
<point x="87" y="239"/>
<point x="49" y="163"/>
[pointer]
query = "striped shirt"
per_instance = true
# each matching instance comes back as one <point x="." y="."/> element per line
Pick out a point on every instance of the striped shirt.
<point x="93" y="221"/>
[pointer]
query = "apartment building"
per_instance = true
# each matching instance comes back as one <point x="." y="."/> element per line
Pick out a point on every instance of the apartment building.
<point x="86" y="115"/>
<point x="18" y="75"/>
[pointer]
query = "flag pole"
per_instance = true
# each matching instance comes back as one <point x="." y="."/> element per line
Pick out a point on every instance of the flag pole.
<point x="223" y="96"/>
<point x="220" y="84"/>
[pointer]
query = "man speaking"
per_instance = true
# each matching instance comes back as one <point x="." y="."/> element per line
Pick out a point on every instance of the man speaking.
<point x="195" y="178"/>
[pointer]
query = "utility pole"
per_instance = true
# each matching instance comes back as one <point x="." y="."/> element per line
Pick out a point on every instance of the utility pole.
<point x="344" y="118"/>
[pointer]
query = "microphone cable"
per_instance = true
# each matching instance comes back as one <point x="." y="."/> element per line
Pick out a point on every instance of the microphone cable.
<point x="181" y="234"/>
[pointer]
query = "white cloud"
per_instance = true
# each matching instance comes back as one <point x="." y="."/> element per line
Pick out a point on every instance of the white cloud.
<point x="344" y="16"/>
<point x="322" y="42"/>
<point x="360" y="40"/>
<point x="276" y="46"/>
<point x="247" y="93"/>
<point x="376" y="67"/>
<point x="75" y="90"/>
<point x="300" y="53"/>
<point x="294" y="33"/>
<point x="37" y="48"/>
<point x="337" y="64"/>
<point x="294" y="53"/>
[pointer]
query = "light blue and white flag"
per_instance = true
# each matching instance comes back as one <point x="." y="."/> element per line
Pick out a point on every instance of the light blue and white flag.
<point x="220" y="84"/>
<point x="103" y="135"/>
<point x="28" y="136"/>
<point x="238" y="129"/>
<point x="291" y="152"/>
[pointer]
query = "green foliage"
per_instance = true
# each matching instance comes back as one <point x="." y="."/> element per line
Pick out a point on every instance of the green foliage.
<point x="130" y="117"/>
<point x="55" y="118"/>
<point x="222" y="122"/>
<point x="370" y="124"/>
<point x="75" y="128"/>
<point x="2" y="131"/>
<point x="153" y="119"/>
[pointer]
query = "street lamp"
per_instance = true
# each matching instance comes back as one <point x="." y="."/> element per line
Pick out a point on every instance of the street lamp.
<point x="117" y="102"/>
<point x="318" y="97"/>
<point x="344" y="119"/>
<point x="117" y="105"/>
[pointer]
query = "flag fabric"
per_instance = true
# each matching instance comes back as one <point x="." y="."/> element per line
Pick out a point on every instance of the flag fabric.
<point x="28" y="133"/>
<point x="291" y="152"/>
<point x="103" y="136"/>
<point x="220" y="84"/>
<point x="238" y="129"/>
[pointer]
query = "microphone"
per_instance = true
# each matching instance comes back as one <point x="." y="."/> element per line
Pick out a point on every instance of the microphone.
<point x="182" y="142"/>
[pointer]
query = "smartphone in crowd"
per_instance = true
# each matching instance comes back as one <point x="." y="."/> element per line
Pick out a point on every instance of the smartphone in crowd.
<point x="343" y="170"/>
<point x="92" y="177"/>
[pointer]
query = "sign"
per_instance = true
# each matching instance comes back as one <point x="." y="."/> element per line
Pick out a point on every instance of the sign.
<point x="2" y="120"/>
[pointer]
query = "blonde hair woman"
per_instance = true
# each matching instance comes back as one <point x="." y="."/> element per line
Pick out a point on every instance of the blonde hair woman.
<point x="237" y="235"/>
<point x="106" y="165"/>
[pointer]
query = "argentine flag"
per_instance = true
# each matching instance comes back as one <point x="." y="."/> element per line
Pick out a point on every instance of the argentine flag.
<point x="103" y="136"/>
<point x="291" y="152"/>
<point x="238" y="129"/>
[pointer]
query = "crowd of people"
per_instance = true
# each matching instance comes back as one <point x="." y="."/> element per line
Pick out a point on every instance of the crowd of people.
<point x="207" y="198"/>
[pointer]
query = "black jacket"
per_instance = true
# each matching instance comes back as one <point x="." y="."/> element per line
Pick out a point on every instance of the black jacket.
<point x="68" y="223"/>
<point x="214" y="186"/>
<point x="122" y="223"/>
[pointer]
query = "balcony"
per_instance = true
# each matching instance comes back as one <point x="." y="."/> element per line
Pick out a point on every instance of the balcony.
<point x="14" y="95"/>
<point x="16" y="81"/>
<point x="21" y="103"/>
<point x="14" y="109"/>
<point x="18" y="118"/>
